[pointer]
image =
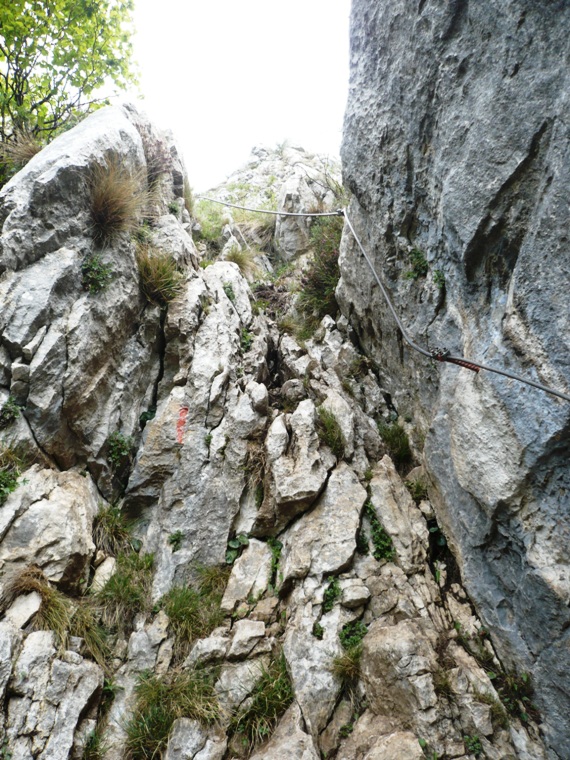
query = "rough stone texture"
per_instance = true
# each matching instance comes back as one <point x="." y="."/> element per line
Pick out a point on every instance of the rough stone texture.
<point x="250" y="575"/>
<point x="190" y="741"/>
<point x="246" y="634"/>
<point x="323" y="541"/>
<point x="456" y="144"/>
<point x="48" y="695"/>
<point x="289" y="740"/>
<point x="47" y="522"/>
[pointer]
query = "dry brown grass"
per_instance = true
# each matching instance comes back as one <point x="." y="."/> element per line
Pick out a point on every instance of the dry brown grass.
<point x="161" y="280"/>
<point x="118" y="199"/>
<point x="17" y="152"/>
<point x="245" y="261"/>
<point x="55" y="610"/>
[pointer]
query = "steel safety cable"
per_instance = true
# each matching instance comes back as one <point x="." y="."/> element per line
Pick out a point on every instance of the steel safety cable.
<point x="438" y="354"/>
<point x="338" y="212"/>
<point x="442" y="354"/>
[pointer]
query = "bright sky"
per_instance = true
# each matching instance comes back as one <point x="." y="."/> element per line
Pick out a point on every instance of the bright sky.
<point x="227" y="75"/>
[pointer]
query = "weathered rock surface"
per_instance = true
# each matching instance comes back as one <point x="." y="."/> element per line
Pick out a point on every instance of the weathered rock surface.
<point x="217" y="414"/>
<point x="456" y="147"/>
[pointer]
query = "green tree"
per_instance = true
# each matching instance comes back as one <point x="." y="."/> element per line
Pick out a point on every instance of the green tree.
<point x="54" y="55"/>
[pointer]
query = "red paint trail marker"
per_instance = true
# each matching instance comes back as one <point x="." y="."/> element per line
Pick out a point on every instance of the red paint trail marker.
<point x="182" y="415"/>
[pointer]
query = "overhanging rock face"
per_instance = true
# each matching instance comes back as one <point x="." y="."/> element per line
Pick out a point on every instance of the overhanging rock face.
<point x="457" y="152"/>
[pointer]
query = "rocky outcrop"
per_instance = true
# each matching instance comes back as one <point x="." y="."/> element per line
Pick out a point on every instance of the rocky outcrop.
<point x="455" y="150"/>
<point x="208" y="551"/>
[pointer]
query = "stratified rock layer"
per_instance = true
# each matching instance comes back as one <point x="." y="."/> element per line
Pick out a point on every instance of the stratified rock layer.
<point x="456" y="149"/>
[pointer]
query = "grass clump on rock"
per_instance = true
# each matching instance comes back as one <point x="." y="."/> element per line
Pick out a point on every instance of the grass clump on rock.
<point x="163" y="699"/>
<point x="117" y="200"/>
<point x="270" y="698"/>
<point x="195" y="612"/>
<point x="111" y="531"/>
<point x="329" y="432"/>
<point x="397" y="442"/>
<point x="161" y="280"/>
<point x="127" y="591"/>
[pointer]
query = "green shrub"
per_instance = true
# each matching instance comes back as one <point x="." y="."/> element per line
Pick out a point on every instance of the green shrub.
<point x="160" y="700"/>
<point x="417" y="489"/>
<point x="229" y="291"/>
<point x="9" y="412"/>
<point x="331" y="594"/>
<point x="117" y="200"/>
<point x="419" y="265"/>
<point x="95" y="276"/>
<point x="397" y="442"/>
<point x="439" y="278"/>
<point x="118" y="449"/>
<point x="127" y="592"/>
<point x="175" y="540"/>
<point x="352" y="634"/>
<point x="318" y="631"/>
<point x="329" y="432"/>
<point x="276" y="548"/>
<point x="473" y="745"/>
<point x="381" y="541"/>
<point x="161" y="280"/>
<point x="270" y="698"/>
<point x="11" y="466"/>
<point x="246" y="339"/>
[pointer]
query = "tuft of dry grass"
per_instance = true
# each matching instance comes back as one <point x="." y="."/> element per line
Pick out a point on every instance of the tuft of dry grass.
<point x="118" y="199"/>
<point x="161" y="280"/>
<point x="55" y="609"/>
<point x="245" y="261"/>
<point x="112" y="532"/>
<point x="17" y="152"/>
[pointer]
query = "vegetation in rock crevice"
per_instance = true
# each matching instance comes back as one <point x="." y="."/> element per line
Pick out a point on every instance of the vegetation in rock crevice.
<point x="12" y="464"/>
<point x="160" y="700"/>
<point x="397" y="442"/>
<point x="255" y="721"/>
<point x="117" y="199"/>
<point x="127" y="592"/>
<point x="193" y="613"/>
<point x="160" y="278"/>
<point x="329" y="431"/>
<point x="383" y="548"/>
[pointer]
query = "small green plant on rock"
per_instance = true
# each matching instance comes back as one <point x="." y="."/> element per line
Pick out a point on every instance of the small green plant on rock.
<point x="246" y="339"/>
<point x="276" y="547"/>
<point x="331" y="594"/>
<point x="417" y="489"/>
<point x="9" y="412"/>
<point x="352" y="634"/>
<point x="95" y="276"/>
<point x="397" y="441"/>
<point x="318" y="631"/>
<point x="329" y="432"/>
<point x="175" y="540"/>
<point x="270" y="698"/>
<point x="235" y="546"/>
<point x="381" y="541"/>
<point x="473" y="745"/>
<point x="229" y="291"/>
<point x="11" y="466"/>
<point x="118" y="449"/>
<point x="419" y="265"/>
<point x="439" y="278"/>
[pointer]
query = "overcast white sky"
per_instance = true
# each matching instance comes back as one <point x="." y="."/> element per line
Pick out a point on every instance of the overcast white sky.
<point x="226" y="75"/>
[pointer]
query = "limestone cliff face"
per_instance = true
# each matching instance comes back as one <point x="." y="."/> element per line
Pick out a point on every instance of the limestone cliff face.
<point x="456" y="150"/>
<point x="280" y="576"/>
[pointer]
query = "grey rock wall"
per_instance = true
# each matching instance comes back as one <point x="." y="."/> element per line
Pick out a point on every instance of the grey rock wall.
<point x="457" y="146"/>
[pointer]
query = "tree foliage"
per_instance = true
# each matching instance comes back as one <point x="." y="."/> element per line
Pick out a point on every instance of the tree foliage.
<point x="54" y="56"/>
